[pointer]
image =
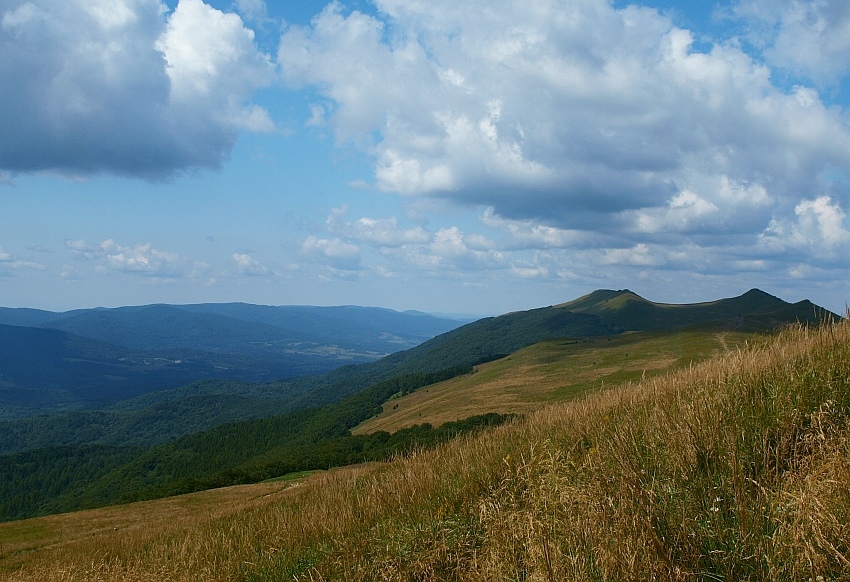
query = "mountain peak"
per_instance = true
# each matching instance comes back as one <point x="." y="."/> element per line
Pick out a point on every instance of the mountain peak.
<point x="602" y="299"/>
<point x="626" y="310"/>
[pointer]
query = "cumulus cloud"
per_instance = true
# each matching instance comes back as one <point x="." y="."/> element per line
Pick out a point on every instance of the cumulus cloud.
<point x="575" y="115"/>
<point x="381" y="232"/>
<point x="392" y="249"/>
<point x="640" y="255"/>
<point x="83" y="249"/>
<point x="453" y="249"/>
<point x="811" y="38"/>
<point x="123" y="86"/>
<point x="819" y="230"/>
<point x="248" y="265"/>
<point x="141" y="259"/>
<point x="336" y="253"/>
<point x="10" y="261"/>
<point x="530" y="234"/>
<point x="254" y="11"/>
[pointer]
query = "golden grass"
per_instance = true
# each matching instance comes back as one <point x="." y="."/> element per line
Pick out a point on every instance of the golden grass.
<point x="551" y="371"/>
<point x="59" y="535"/>
<point x="733" y="469"/>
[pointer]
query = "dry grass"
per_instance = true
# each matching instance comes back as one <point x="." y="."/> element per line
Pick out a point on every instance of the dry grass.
<point x="734" y="469"/>
<point x="60" y="536"/>
<point x="551" y="371"/>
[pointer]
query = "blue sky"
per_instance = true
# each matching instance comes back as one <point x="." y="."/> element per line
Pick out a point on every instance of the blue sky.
<point x="473" y="157"/>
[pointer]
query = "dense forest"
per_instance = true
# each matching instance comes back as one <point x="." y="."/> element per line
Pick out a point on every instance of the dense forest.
<point x="65" y="478"/>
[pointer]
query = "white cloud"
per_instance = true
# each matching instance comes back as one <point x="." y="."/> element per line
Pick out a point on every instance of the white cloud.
<point x="577" y="123"/>
<point x="529" y="234"/>
<point x="253" y="10"/>
<point x="9" y="261"/>
<point x="248" y="265"/>
<point x="334" y="252"/>
<point x="83" y="249"/>
<point x="447" y="250"/>
<point x="685" y="212"/>
<point x="380" y="232"/>
<point x="530" y="271"/>
<point x="122" y="86"/>
<point x="640" y="255"/>
<point x="69" y="273"/>
<point x="810" y="37"/>
<point x="450" y="250"/>
<point x="210" y="55"/>
<point x="141" y="259"/>
<point x="823" y="221"/>
<point x="819" y="230"/>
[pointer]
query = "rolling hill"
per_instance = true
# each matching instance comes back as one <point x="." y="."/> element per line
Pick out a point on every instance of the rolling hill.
<point x="553" y="371"/>
<point x="177" y="408"/>
<point x="143" y="447"/>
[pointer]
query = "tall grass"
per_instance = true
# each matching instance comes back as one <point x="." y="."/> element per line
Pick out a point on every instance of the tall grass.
<point x="733" y="469"/>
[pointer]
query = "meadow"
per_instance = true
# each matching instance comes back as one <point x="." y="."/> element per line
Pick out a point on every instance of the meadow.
<point x="734" y="468"/>
<point x="553" y="371"/>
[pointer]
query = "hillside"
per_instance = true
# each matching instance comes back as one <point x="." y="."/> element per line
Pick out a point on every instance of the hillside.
<point x="495" y="337"/>
<point x="661" y="337"/>
<point x="552" y="371"/>
<point x="262" y="344"/>
<point x="731" y="469"/>
<point x="48" y="369"/>
<point x="221" y="432"/>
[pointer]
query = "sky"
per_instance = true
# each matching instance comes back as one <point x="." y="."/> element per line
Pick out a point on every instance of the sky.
<point x="472" y="157"/>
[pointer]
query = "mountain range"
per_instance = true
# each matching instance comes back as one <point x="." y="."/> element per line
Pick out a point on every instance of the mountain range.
<point x="95" y="357"/>
<point x="153" y="439"/>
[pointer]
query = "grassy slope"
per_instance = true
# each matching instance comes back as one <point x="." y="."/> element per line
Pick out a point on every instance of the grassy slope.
<point x="727" y="470"/>
<point x="20" y="541"/>
<point x="552" y="371"/>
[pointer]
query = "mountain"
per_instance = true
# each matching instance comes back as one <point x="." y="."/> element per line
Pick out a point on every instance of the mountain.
<point x="755" y="310"/>
<point x="146" y="355"/>
<point x="367" y="328"/>
<point x="239" y="328"/>
<point x="42" y="370"/>
<point x="95" y="357"/>
<point x="222" y="432"/>
<point x="601" y="313"/>
<point x="27" y="317"/>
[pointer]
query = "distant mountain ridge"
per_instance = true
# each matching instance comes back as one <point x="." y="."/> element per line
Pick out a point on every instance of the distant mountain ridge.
<point x="604" y="312"/>
<point x="263" y="344"/>
<point x="755" y="310"/>
<point x="237" y="327"/>
<point x="93" y="357"/>
<point x="41" y="369"/>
